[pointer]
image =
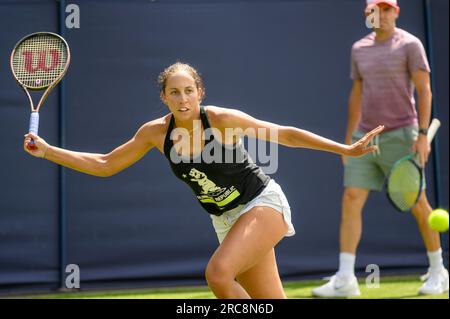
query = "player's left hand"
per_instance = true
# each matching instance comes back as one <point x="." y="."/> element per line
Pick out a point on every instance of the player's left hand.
<point x="422" y="148"/>
<point x="361" y="147"/>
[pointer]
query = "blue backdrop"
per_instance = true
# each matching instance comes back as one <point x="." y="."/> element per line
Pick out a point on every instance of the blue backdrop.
<point x="283" y="61"/>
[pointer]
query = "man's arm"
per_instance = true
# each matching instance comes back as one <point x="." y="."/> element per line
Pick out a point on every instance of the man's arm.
<point x="421" y="80"/>
<point x="354" y="112"/>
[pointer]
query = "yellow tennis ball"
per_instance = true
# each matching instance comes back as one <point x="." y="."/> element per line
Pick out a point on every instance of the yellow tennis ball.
<point x="438" y="220"/>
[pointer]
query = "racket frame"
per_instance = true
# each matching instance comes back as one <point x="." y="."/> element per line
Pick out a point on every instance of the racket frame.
<point x="409" y="158"/>
<point x="434" y="126"/>
<point x="49" y="87"/>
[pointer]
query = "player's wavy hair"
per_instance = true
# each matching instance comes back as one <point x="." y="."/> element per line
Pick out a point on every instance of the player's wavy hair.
<point x="180" y="66"/>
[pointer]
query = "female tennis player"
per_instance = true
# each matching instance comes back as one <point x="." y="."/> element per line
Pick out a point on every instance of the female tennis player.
<point x="249" y="211"/>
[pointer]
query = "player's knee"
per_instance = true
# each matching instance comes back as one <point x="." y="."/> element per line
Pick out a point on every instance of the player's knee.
<point x="353" y="196"/>
<point x="217" y="274"/>
<point x="352" y="204"/>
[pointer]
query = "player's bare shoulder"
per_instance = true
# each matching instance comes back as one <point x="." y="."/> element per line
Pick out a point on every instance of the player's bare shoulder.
<point x="220" y="117"/>
<point x="154" y="132"/>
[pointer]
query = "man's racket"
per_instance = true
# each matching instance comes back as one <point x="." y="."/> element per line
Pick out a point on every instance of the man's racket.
<point x="38" y="62"/>
<point x="404" y="183"/>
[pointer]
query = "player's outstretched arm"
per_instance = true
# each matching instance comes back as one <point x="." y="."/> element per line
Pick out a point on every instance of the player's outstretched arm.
<point x="97" y="164"/>
<point x="292" y="136"/>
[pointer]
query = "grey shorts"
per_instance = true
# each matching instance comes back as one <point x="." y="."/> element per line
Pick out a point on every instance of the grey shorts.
<point x="370" y="170"/>
<point x="272" y="196"/>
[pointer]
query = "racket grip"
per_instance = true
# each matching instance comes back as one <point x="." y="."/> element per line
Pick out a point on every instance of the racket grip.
<point x="34" y="123"/>
<point x="34" y="128"/>
<point x="434" y="126"/>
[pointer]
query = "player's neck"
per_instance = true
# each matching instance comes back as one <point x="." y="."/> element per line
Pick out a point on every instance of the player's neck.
<point x="383" y="35"/>
<point x="189" y="125"/>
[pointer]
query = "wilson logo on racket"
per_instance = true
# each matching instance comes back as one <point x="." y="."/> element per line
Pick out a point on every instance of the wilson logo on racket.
<point x="42" y="60"/>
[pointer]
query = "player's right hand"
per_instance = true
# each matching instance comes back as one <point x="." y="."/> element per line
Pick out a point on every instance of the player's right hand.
<point x="40" y="148"/>
<point x="361" y="147"/>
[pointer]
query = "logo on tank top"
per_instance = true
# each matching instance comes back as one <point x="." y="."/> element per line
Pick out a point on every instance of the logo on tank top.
<point x="211" y="193"/>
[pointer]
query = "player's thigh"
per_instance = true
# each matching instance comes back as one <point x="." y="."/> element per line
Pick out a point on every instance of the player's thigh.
<point x="263" y="280"/>
<point x="253" y="235"/>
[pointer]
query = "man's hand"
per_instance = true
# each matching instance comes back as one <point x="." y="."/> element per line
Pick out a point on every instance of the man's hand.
<point x="422" y="148"/>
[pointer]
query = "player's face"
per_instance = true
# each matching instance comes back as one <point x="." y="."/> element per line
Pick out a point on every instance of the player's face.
<point x="388" y="16"/>
<point x="181" y="95"/>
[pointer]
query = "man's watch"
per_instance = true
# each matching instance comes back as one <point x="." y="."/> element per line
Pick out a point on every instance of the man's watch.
<point x="423" y="131"/>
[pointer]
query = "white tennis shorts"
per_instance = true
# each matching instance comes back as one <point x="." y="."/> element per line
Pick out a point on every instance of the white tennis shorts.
<point x="272" y="196"/>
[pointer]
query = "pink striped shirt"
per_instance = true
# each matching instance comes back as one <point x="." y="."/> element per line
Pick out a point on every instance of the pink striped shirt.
<point x="385" y="69"/>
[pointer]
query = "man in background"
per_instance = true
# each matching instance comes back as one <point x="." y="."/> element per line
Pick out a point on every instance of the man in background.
<point x="386" y="66"/>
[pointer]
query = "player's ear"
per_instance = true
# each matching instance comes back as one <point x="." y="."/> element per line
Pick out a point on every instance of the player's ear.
<point x="201" y="94"/>
<point x="163" y="97"/>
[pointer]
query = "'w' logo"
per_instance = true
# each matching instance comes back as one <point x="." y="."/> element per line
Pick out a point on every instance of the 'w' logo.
<point x="42" y="61"/>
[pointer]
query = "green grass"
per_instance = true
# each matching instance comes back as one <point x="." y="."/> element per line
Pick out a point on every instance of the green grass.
<point x="405" y="287"/>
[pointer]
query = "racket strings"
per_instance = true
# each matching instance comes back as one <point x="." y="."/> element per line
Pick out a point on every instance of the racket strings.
<point x="405" y="185"/>
<point x="40" y="60"/>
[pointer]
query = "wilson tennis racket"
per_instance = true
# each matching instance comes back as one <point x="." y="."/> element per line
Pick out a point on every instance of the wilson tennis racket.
<point x="405" y="181"/>
<point x="38" y="62"/>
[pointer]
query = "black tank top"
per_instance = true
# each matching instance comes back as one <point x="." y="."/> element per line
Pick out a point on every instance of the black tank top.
<point x="219" y="183"/>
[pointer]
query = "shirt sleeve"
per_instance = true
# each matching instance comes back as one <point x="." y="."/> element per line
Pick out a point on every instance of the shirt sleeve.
<point x="417" y="57"/>
<point x="354" y="70"/>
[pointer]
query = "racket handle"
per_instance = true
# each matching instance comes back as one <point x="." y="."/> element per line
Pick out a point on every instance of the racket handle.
<point x="34" y="128"/>
<point x="434" y="126"/>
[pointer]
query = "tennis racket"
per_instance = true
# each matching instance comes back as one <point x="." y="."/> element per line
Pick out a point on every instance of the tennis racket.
<point x="38" y="62"/>
<point x="405" y="181"/>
